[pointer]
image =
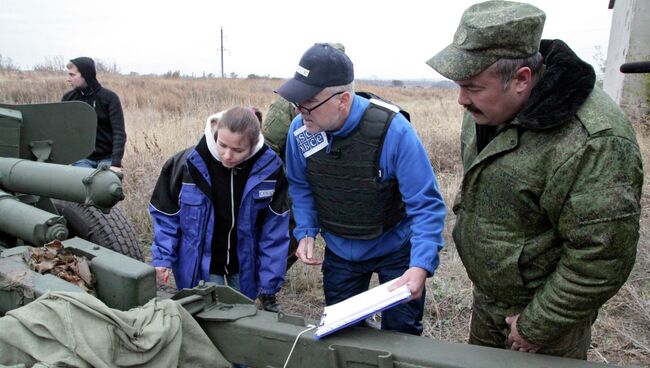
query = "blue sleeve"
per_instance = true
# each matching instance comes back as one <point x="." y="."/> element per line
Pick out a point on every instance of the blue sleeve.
<point x="425" y="207"/>
<point x="304" y="207"/>
<point x="274" y="243"/>
<point x="166" y="236"/>
<point x="165" y="211"/>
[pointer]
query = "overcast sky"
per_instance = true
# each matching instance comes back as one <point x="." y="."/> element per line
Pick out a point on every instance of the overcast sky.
<point x="384" y="39"/>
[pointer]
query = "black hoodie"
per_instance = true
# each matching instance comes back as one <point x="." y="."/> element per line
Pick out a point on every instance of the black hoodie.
<point x="111" y="136"/>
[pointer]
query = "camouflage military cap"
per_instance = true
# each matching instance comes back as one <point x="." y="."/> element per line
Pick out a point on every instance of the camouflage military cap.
<point x="490" y="31"/>
<point x="337" y="45"/>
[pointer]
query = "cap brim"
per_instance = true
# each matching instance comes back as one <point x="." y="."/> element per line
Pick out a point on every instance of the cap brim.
<point x="296" y="91"/>
<point x="457" y="64"/>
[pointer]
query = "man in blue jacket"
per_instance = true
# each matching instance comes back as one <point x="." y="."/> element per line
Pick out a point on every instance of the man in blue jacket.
<point x="359" y="175"/>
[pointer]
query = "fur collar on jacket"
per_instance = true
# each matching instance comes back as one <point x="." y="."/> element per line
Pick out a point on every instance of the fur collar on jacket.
<point x="565" y="85"/>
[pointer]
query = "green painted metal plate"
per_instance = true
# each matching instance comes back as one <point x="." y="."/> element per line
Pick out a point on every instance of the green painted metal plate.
<point x="68" y="128"/>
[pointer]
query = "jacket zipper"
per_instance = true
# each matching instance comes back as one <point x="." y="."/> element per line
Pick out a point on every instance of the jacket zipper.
<point x="232" y="206"/>
<point x="232" y="216"/>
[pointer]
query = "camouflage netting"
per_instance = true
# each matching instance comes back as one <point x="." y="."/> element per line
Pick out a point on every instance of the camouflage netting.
<point x="53" y="258"/>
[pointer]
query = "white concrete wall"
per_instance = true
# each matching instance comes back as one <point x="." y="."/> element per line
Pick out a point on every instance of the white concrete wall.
<point x="629" y="41"/>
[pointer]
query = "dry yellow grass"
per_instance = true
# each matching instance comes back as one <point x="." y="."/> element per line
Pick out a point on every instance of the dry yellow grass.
<point x="166" y="115"/>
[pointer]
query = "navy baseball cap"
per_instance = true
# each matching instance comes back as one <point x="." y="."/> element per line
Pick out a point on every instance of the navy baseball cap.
<point x="321" y="66"/>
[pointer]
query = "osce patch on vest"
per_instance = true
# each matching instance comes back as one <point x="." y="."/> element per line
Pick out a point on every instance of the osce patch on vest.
<point x="351" y="199"/>
<point x="310" y="143"/>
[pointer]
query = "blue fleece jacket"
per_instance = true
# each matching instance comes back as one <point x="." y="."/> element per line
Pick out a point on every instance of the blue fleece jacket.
<point x="403" y="158"/>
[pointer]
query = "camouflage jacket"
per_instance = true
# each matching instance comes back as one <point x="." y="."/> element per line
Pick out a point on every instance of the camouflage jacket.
<point x="276" y="125"/>
<point x="548" y="212"/>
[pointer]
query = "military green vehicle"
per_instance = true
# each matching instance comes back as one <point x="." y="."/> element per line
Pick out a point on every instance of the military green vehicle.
<point x="61" y="134"/>
<point x="43" y="199"/>
<point x="37" y="142"/>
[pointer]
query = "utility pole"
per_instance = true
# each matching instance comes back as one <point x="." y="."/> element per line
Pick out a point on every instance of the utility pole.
<point x="222" y="74"/>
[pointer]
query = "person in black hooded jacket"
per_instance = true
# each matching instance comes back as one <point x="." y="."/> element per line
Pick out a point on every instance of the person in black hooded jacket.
<point x="111" y="136"/>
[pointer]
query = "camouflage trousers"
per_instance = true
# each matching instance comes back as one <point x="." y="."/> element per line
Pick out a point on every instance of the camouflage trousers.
<point x="488" y="327"/>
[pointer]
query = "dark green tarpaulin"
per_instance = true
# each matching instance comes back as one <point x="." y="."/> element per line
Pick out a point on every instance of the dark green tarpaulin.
<point x="76" y="329"/>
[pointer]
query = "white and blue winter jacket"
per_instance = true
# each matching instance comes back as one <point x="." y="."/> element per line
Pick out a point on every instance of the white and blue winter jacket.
<point x="183" y="220"/>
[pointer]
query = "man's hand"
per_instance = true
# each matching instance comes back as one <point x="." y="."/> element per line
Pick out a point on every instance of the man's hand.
<point x="162" y="274"/>
<point x="516" y="341"/>
<point x="117" y="169"/>
<point x="305" y="252"/>
<point x="414" y="277"/>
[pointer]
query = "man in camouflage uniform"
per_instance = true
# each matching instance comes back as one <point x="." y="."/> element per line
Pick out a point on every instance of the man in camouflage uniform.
<point x="276" y="125"/>
<point x="548" y="210"/>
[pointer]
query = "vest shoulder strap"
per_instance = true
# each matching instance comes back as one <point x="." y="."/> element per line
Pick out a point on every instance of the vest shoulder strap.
<point x="375" y="123"/>
<point x="371" y="96"/>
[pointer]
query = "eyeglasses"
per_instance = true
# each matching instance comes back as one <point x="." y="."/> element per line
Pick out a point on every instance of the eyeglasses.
<point x="308" y="111"/>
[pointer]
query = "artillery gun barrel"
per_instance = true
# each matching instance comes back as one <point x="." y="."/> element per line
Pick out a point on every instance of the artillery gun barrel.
<point x="101" y="187"/>
<point x="29" y="223"/>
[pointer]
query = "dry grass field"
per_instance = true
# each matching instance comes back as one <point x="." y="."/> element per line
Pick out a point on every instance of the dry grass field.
<point x="164" y="116"/>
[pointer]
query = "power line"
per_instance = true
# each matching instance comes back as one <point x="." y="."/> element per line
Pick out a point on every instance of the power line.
<point x="222" y="73"/>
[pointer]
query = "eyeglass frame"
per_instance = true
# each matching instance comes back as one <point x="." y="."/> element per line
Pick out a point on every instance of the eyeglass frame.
<point x="302" y="108"/>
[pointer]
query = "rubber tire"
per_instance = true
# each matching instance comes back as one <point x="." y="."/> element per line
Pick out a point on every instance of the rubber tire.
<point x="112" y="230"/>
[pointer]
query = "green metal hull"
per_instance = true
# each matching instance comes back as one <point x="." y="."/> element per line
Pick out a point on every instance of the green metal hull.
<point x="122" y="282"/>
<point x="257" y="338"/>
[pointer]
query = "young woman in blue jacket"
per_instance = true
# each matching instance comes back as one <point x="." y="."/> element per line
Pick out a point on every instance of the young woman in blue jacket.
<point x="219" y="211"/>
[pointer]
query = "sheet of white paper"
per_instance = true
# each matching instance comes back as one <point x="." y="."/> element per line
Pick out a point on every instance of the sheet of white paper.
<point x="359" y="307"/>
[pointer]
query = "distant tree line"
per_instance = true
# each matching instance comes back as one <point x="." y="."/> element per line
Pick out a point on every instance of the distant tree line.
<point x="7" y="65"/>
<point x="56" y="64"/>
